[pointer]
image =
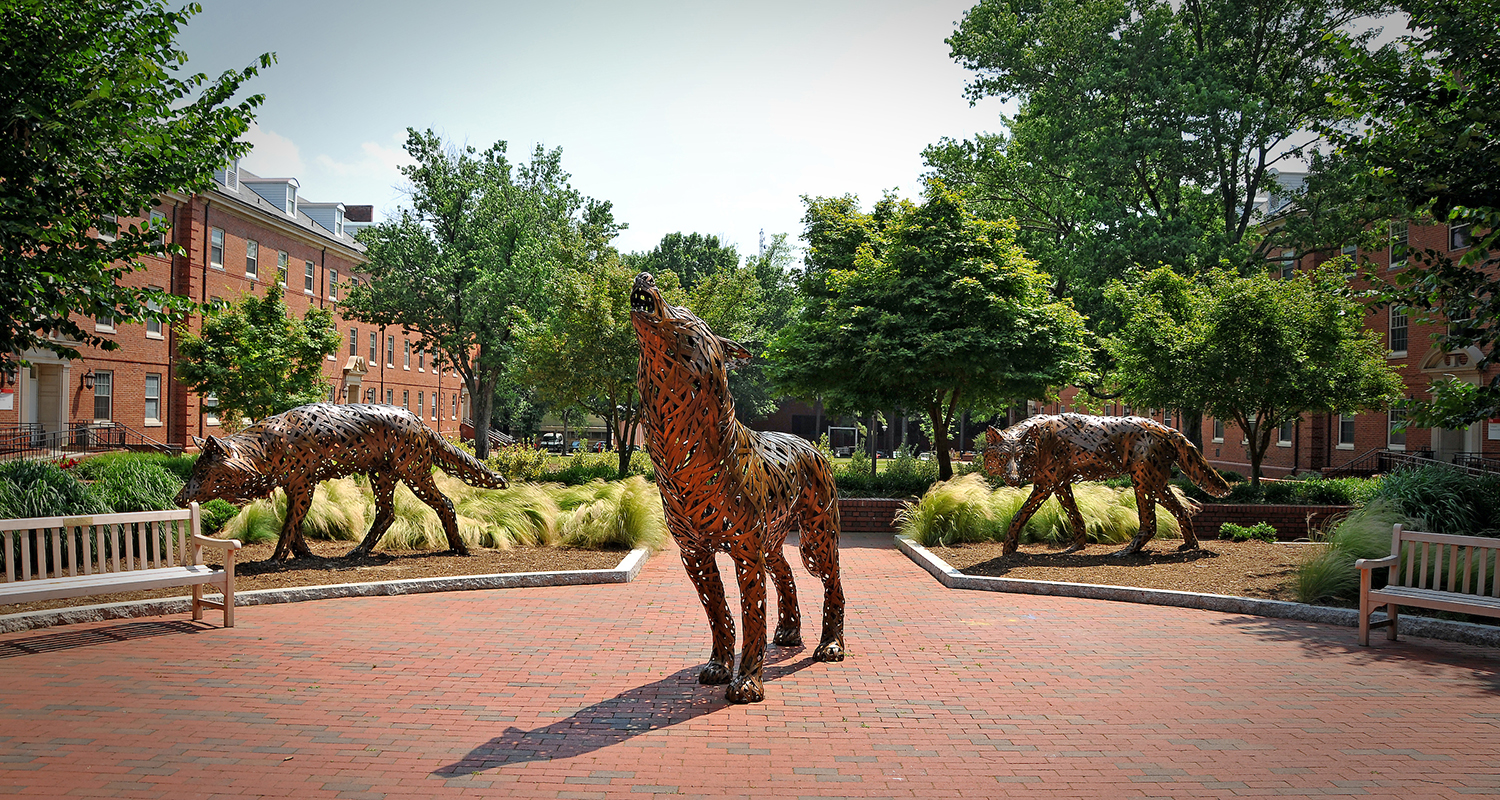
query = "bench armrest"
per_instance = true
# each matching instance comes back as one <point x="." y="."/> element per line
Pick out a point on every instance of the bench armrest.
<point x="1376" y="563"/>
<point x="220" y="544"/>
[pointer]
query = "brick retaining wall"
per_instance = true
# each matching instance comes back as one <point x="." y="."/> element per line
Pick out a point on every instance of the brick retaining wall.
<point x="1290" y="522"/>
<point x="870" y="514"/>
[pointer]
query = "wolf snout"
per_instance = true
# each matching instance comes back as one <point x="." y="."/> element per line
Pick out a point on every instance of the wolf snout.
<point x="643" y="294"/>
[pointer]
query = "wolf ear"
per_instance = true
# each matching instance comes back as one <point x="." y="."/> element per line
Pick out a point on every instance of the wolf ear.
<point x="991" y="435"/>
<point x="198" y="443"/>
<point x="212" y="444"/>
<point x="735" y="354"/>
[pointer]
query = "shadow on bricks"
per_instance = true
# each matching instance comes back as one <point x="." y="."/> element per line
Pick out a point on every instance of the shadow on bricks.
<point x="673" y="700"/>
<point x="71" y="640"/>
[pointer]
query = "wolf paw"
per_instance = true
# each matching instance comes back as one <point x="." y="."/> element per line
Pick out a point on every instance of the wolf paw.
<point x="714" y="674"/>
<point x="746" y="689"/>
<point x="829" y="651"/>
<point x="1185" y="547"/>
<point x="787" y="636"/>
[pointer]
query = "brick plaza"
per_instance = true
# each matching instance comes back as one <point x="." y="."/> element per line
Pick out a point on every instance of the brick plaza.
<point x="590" y="692"/>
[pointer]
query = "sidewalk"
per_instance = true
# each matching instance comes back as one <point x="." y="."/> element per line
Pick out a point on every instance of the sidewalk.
<point x="583" y="692"/>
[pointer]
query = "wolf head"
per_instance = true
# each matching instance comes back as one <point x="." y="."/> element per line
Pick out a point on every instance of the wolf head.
<point x="223" y="471"/>
<point x="679" y="354"/>
<point x="1010" y="454"/>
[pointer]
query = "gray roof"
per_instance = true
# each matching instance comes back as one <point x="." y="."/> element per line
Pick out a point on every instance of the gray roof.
<point x="247" y="197"/>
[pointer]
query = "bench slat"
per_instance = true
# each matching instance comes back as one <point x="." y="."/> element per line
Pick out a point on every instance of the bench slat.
<point x="98" y="519"/>
<point x="139" y="580"/>
<point x="1436" y="599"/>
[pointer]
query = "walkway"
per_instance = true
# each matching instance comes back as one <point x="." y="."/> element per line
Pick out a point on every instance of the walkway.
<point x="585" y="692"/>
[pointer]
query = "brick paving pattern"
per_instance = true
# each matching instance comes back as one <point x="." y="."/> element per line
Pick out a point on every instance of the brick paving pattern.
<point x="590" y="692"/>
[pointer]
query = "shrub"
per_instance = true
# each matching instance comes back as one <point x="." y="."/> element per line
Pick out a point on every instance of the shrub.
<point x="136" y="485"/>
<point x="1329" y="574"/>
<point x="43" y="489"/>
<point x="1444" y="500"/>
<point x="1262" y="531"/>
<point x="518" y="462"/>
<point x="618" y="514"/>
<point x="215" y="514"/>
<point x="94" y="467"/>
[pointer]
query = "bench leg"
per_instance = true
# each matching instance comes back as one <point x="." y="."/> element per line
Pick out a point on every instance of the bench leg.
<point x="197" y="601"/>
<point x="229" y="589"/>
<point x="1364" y="608"/>
<point x="1390" y="625"/>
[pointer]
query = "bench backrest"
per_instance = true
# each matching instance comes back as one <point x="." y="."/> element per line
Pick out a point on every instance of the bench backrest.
<point x="53" y="547"/>
<point x="1453" y="563"/>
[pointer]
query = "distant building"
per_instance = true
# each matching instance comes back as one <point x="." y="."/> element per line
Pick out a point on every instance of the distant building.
<point x="244" y="233"/>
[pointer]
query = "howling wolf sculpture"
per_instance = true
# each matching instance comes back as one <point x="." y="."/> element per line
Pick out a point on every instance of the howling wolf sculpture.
<point x="297" y="449"/>
<point x="726" y="487"/>
<point x="1051" y="452"/>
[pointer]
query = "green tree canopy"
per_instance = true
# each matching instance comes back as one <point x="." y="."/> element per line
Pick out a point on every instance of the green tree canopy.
<point x="1422" y="129"/>
<point x="690" y="256"/>
<point x="1259" y="351"/>
<point x="475" y="256"/>
<point x="256" y="359"/>
<point x="938" y="311"/>
<point x="96" y="121"/>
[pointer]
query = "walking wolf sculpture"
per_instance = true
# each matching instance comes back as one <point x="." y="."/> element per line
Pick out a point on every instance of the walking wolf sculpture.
<point x="726" y="487"/>
<point x="297" y="449"/>
<point x="1051" y="452"/>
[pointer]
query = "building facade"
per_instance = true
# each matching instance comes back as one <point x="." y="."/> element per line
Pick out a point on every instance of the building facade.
<point x="245" y="233"/>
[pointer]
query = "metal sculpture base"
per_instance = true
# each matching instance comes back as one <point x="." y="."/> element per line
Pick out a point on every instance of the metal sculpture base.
<point x="300" y="448"/>
<point x="1052" y="452"/>
<point x="726" y="487"/>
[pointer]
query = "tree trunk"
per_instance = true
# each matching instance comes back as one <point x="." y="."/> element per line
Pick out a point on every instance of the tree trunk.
<point x="940" y="442"/>
<point x="1192" y="426"/>
<point x="482" y="403"/>
<point x="870" y="443"/>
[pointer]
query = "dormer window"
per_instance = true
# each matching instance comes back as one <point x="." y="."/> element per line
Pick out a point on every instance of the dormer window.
<point x="229" y="175"/>
<point x="338" y="222"/>
<point x="281" y="193"/>
<point x="291" y="200"/>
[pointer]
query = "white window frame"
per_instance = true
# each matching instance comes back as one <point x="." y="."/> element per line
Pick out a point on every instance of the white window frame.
<point x="390" y="351"/>
<point x="210" y="409"/>
<point x="333" y="284"/>
<point x="104" y="379"/>
<point x="1391" y="418"/>
<point x="108" y="227"/>
<point x="1345" y="419"/>
<point x="420" y="397"/>
<point x="406" y="357"/>
<point x="1400" y="236"/>
<point x="1284" y="434"/>
<point x="1459" y="237"/>
<point x="216" y="248"/>
<point x="390" y="397"/>
<point x="161" y="236"/>
<point x="252" y="259"/>
<point x="1390" y="331"/>
<point x="309" y="276"/>
<point x="104" y="324"/>
<point x="283" y="263"/>
<point x="153" y="326"/>
<point x="353" y="341"/>
<point x="1218" y="429"/>
<point x="374" y="349"/>
<point x="149" y="420"/>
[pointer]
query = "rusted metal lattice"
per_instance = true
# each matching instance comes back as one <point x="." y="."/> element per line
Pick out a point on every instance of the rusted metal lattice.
<point x="297" y="449"/>
<point x="1052" y="452"/>
<point x="726" y="487"/>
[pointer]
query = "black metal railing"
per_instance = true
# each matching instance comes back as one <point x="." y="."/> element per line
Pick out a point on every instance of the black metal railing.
<point x="1380" y="461"/>
<point x="497" y="438"/>
<point x="30" y="441"/>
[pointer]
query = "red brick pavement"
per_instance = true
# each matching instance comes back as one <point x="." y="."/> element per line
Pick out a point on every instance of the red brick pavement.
<point x="584" y="692"/>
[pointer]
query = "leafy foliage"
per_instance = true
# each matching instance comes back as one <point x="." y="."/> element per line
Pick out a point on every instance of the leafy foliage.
<point x="180" y="466"/>
<point x="135" y="485"/>
<point x="96" y="119"/>
<point x="1258" y="351"/>
<point x="1329" y="574"/>
<point x="691" y="257"/>
<point x="256" y="358"/>
<point x="30" y="488"/>
<point x="1260" y="531"/>
<point x="1444" y="500"/>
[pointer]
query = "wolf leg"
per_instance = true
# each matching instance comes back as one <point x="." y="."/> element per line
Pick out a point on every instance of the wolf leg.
<point x="1013" y="534"/>
<point x="1145" y="509"/>
<point x="1184" y="519"/>
<point x="704" y="573"/>
<point x="383" y="486"/>
<point x="291" y="544"/>
<point x="750" y="568"/>
<point x="788" y="616"/>
<point x="820" y="554"/>
<point x="426" y="490"/>
<point x="1075" y="519"/>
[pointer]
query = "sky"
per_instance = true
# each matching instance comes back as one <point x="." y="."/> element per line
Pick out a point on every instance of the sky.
<point x="702" y="117"/>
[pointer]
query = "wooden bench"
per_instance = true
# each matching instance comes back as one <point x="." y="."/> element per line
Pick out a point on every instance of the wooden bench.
<point x="1440" y="571"/>
<point x="49" y="558"/>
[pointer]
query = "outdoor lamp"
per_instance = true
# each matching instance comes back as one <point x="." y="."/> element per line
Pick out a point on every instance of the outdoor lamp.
<point x="88" y="379"/>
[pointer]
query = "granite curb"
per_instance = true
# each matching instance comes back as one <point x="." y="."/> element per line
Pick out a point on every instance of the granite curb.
<point x="1464" y="632"/>
<point x="628" y="568"/>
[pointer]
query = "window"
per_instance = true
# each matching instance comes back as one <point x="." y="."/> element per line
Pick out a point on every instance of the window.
<point x="281" y="262"/>
<point x="159" y="224"/>
<point x="1397" y="337"/>
<point x="435" y="401"/>
<point x="1349" y="250"/>
<point x="1166" y="417"/>
<point x="153" y="326"/>
<point x="1346" y="432"/>
<point x="1284" y="434"/>
<point x="390" y="351"/>
<point x="406" y="346"/>
<point x="103" y="396"/>
<point x="453" y="411"/>
<point x="333" y="284"/>
<point x="390" y="397"/>
<point x="104" y="324"/>
<point x="109" y="227"/>
<point x="153" y="399"/>
<point x="1286" y="263"/>
<point x="374" y="349"/>
<point x="353" y="341"/>
<point x="421" y="361"/>
<point x="307" y="277"/>
<point x="252" y="258"/>
<point x="210" y="409"/>
<point x="1395" y="435"/>
<point x="338" y="222"/>
<point x="1218" y="430"/>
<point x="406" y="400"/>
<point x="370" y="395"/>
<point x="1459" y="238"/>
<point x="1400" y="235"/>
<point x="216" y="248"/>
<point x="419" y="405"/>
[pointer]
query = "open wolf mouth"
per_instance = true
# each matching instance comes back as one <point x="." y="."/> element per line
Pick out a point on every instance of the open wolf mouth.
<point x="643" y="297"/>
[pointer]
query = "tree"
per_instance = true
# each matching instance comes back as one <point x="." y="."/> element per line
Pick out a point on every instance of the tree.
<point x="938" y="311"/>
<point x="691" y="257"/>
<point x="475" y="255"/>
<point x="1258" y="351"/>
<point x="1422" y="122"/>
<point x="95" y="122"/>
<point x="256" y="359"/>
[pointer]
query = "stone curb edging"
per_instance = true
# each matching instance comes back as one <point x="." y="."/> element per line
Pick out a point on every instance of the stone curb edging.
<point x="626" y="571"/>
<point x="1464" y="632"/>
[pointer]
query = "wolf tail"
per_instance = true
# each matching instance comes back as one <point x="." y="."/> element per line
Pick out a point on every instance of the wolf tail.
<point x="464" y="466"/>
<point x="1197" y="468"/>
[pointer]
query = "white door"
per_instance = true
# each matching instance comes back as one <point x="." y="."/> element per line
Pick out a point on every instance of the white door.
<point x="49" y="397"/>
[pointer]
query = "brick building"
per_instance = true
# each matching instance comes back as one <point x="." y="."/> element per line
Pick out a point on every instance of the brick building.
<point x="244" y="233"/>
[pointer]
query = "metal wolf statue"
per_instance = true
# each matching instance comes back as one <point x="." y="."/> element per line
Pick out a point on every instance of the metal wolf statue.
<point x="298" y="449"/>
<point x="1051" y="452"/>
<point x="726" y="487"/>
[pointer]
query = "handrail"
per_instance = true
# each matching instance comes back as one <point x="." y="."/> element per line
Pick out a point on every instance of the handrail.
<point x="30" y="441"/>
<point x="1381" y="460"/>
<point x="497" y="438"/>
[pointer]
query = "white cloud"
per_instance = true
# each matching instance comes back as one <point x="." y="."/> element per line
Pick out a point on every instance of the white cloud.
<point x="375" y="161"/>
<point x="274" y="156"/>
